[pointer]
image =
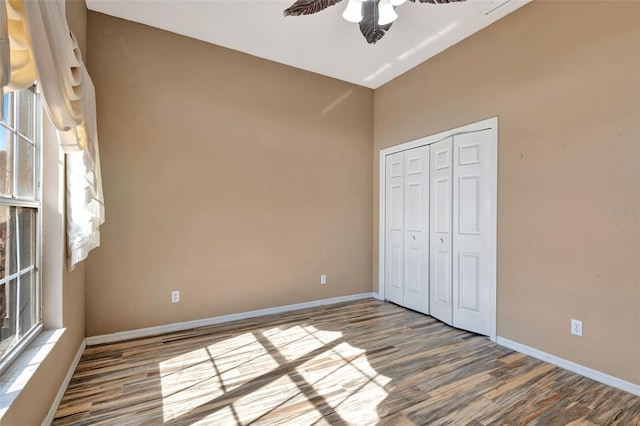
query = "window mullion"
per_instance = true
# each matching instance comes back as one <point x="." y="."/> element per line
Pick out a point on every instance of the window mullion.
<point x="16" y="141"/>
<point x="14" y="202"/>
<point x="37" y="136"/>
<point x="15" y="274"/>
<point x="19" y="262"/>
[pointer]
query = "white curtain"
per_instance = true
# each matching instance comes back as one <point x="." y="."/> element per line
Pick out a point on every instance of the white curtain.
<point x="85" y="203"/>
<point x="43" y="50"/>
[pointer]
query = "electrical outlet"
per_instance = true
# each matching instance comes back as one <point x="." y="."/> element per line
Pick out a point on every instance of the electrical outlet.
<point x="576" y="327"/>
<point x="323" y="279"/>
<point x="175" y="296"/>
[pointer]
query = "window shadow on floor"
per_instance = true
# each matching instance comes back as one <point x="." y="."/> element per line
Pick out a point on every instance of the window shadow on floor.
<point x="364" y="362"/>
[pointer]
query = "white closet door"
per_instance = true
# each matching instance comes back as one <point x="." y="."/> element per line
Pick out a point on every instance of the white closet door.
<point x="394" y="229"/>
<point x="416" y="229"/>
<point x="441" y="291"/>
<point x="472" y="243"/>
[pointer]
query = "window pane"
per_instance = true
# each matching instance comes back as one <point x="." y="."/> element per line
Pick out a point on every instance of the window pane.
<point x="19" y="233"/>
<point x="6" y="162"/>
<point x="8" y="317"/>
<point x="27" y="232"/>
<point x="8" y="238"/>
<point x="25" y="173"/>
<point x="8" y="110"/>
<point x="26" y="311"/>
<point x="25" y="113"/>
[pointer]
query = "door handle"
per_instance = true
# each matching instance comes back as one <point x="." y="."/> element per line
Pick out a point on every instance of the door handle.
<point x="442" y="240"/>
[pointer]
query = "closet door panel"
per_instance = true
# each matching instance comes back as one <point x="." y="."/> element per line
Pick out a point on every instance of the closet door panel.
<point x="440" y="230"/>
<point x="471" y="227"/>
<point x="394" y="228"/>
<point x="416" y="233"/>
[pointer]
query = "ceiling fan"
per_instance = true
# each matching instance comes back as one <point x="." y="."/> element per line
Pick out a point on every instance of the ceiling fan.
<point x="374" y="16"/>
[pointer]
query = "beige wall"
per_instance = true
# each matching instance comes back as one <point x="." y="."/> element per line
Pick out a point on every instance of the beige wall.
<point x="236" y="180"/>
<point x="239" y="181"/>
<point x="63" y="291"/>
<point x="564" y="79"/>
<point x="76" y="11"/>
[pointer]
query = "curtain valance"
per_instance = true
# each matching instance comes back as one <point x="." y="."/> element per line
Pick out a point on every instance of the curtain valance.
<point x="36" y="46"/>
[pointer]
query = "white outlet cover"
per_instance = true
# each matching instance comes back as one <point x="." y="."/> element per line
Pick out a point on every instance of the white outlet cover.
<point x="576" y="327"/>
<point x="323" y="279"/>
<point x="175" y="296"/>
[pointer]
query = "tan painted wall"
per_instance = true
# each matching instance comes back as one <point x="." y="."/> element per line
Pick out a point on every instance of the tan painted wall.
<point x="236" y="180"/>
<point x="76" y="11"/>
<point x="564" y="79"/>
<point x="63" y="291"/>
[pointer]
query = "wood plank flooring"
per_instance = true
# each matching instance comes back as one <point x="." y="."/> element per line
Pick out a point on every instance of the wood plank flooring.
<point x="359" y="363"/>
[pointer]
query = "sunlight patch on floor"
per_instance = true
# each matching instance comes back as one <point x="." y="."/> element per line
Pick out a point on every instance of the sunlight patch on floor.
<point x="194" y="378"/>
<point x="361" y="387"/>
<point x="217" y="418"/>
<point x="298" y="341"/>
<point x="264" y="375"/>
<point x="265" y="400"/>
<point x="233" y="345"/>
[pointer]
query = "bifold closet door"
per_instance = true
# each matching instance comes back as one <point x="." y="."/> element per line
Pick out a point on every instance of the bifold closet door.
<point x="407" y="229"/>
<point x="439" y="229"/>
<point x="416" y="229"/>
<point x="460" y="248"/>
<point x="472" y="243"/>
<point x="394" y="229"/>
<point x="441" y="291"/>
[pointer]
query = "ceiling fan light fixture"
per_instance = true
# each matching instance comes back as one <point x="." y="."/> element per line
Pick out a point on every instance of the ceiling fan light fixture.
<point x="373" y="16"/>
<point x="386" y="12"/>
<point x="353" y="11"/>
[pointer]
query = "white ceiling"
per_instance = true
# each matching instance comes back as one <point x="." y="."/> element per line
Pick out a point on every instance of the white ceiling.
<point x="323" y="43"/>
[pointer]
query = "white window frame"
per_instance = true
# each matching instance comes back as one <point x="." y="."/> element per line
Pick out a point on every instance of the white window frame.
<point x="14" y="352"/>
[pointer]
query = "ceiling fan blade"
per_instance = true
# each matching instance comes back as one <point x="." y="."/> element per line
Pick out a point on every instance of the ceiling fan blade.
<point x="307" y="7"/>
<point x="369" y="25"/>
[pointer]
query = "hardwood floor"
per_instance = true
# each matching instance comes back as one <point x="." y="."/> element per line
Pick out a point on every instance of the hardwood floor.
<point x="363" y="362"/>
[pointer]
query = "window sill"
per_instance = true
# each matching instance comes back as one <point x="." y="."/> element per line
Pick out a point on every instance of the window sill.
<point x="16" y="377"/>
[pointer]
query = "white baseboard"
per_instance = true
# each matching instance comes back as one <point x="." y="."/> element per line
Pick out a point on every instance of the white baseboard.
<point x="63" y="387"/>
<point x="377" y="296"/>
<point x="180" y="326"/>
<point x="572" y="366"/>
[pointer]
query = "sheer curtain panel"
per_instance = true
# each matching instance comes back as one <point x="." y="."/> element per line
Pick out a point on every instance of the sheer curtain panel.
<point x="43" y="50"/>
